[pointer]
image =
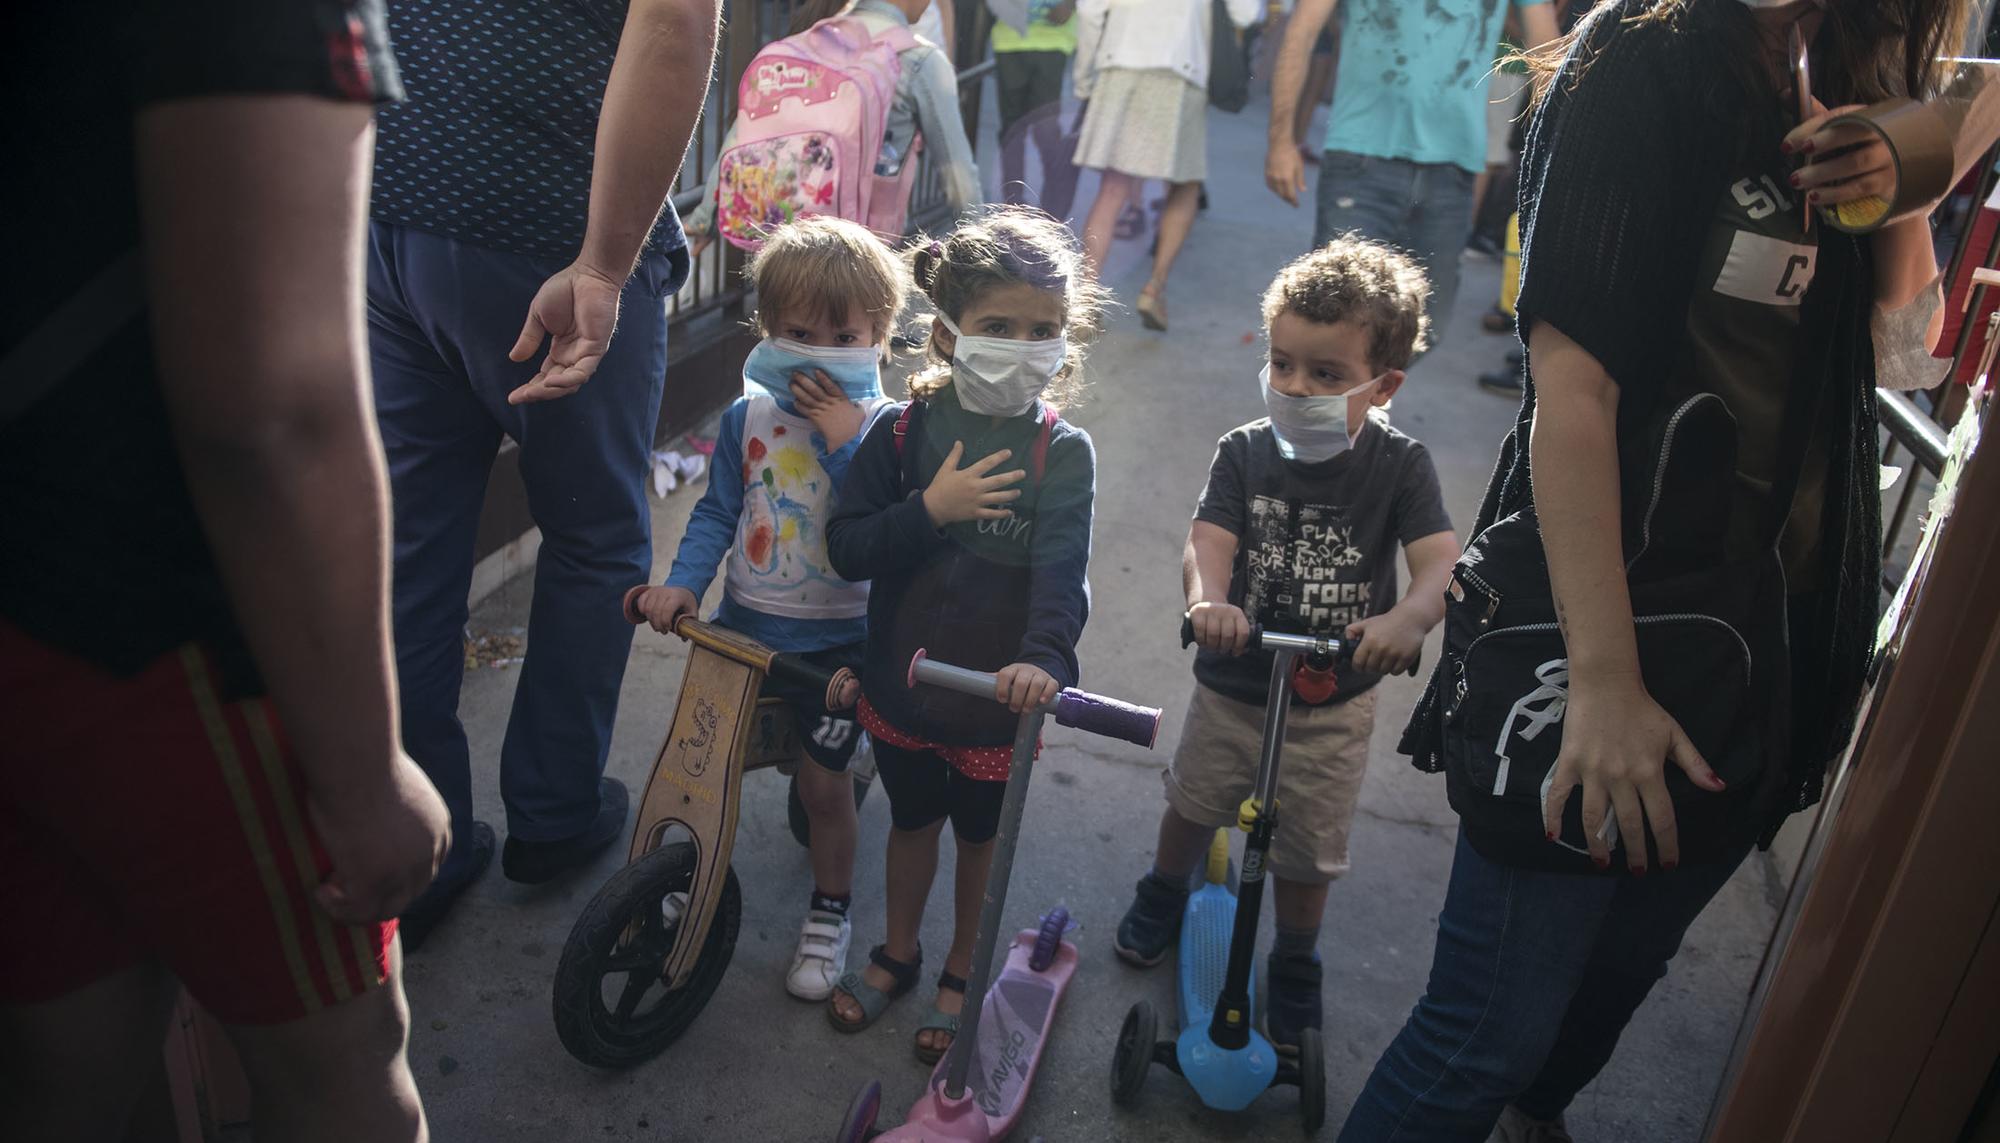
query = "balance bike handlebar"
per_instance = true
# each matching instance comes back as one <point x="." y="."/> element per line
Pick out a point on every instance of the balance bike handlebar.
<point x="1320" y="647"/>
<point x="785" y="668"/>
<point x="1093" y="714"/>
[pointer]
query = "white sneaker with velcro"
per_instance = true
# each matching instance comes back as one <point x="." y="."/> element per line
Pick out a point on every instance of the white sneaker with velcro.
<point x="821" y="957"/>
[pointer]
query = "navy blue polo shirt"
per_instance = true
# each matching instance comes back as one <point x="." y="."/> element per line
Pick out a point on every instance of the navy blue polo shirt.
<point x="494" y="140"/>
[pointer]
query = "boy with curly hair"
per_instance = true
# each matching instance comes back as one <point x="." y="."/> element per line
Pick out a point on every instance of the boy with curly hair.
<point x="1297" y="532"/>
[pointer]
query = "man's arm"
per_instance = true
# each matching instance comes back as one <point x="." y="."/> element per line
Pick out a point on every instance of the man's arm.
<point x="254" y="209"/>
<point x="651" y="104"/>
<point x="1284" y="170"/>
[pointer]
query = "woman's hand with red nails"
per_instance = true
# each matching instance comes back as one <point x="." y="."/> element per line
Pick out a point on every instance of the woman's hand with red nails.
<point x="1843" y="162"/>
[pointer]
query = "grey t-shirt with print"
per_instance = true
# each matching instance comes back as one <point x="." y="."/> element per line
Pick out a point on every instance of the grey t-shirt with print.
<point x="1316" y="543"/>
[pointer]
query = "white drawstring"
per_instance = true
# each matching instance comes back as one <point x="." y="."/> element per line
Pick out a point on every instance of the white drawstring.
<point x="1542" y="707"/>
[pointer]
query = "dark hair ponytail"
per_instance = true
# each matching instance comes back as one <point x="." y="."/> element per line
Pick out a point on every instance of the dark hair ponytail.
<point x="813" y="11"/>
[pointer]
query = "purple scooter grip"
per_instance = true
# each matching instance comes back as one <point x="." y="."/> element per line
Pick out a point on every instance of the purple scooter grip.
<point x="1109" y="717"/>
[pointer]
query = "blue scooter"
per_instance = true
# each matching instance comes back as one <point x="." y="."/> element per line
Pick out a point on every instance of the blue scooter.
<point x="1226" y="1060"/>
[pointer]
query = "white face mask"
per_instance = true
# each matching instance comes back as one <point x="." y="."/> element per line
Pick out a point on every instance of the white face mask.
<point x="1001" y="377"/>
<point x="1310" y="429"/>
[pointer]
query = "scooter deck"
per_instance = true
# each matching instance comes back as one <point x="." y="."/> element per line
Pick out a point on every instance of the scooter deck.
<point x="1225" y="1080"/>
<point x="1020" y="1006"/>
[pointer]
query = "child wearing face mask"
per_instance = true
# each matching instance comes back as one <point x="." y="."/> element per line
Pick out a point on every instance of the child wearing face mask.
<point x="969" y="510"/>
<point x="1297" y="531"/>
<point x="828" y="294"/>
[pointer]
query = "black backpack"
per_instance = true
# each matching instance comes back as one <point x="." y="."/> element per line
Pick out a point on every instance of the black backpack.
<point x="1228" y="63"/>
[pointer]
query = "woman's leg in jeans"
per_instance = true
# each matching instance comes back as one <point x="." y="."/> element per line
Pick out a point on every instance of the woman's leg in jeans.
<point x="1512" y="947"/>
<point x="1649" y="916"/>
<point x="1102" y="221"/>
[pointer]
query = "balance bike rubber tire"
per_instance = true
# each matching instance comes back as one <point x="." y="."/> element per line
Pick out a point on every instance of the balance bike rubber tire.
<point x="598" y="1034"/>
<point x="859" y="1124"/>
<point x="1312" y="1081"/>
<point x="1133" y="1057"/>
<point x="795" y="808"/>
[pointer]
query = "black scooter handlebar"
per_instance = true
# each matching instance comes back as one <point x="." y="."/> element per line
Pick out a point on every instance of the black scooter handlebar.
<point x="1341" y="651"/>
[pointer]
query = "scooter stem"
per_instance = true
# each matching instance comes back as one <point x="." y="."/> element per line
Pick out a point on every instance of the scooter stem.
<point x="1229" y="1028"/>
<point x="1027" y="733"/>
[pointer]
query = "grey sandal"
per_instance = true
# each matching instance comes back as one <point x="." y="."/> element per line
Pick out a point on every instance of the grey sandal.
<point x="940" y="1020"/>
<point x="873" y="1001"/>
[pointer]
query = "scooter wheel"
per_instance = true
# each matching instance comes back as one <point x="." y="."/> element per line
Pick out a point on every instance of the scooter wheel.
<point x="1312" y="1081"/>
<point x="1049" y="940"/>
<point x="1134" y="1055"/>
<point x="795" y="807"/>
<point x="622" y="940"/>
<point x="861" y="1111"/>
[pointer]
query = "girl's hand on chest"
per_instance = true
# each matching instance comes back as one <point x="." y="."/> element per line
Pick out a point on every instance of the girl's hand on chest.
<point x="971" y="492"/>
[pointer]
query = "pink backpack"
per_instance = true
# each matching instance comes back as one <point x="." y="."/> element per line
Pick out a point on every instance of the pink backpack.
<point x="810" y="115"/>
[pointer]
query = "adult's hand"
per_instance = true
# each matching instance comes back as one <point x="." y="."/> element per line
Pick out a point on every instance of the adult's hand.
<point x="385" y="842"/>
<point x="1843" y="162"/>
<point x="1616" y="744"/>
<point x="576" y="310"/>
<point x="1285" y="173"/>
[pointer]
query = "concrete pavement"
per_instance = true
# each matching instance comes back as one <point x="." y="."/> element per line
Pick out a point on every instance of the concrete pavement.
<point x="759" y="1065"/>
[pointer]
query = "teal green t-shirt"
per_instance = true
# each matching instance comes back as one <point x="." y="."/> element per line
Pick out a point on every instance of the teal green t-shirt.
<point x="1412" y="82"/>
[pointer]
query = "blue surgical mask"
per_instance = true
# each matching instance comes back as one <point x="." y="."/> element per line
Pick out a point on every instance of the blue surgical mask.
<point x="1310" y="429"/>
<point x="857" y="369"/>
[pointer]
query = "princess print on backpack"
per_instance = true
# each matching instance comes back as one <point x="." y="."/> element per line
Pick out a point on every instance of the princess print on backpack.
<point x="830" y="120"/>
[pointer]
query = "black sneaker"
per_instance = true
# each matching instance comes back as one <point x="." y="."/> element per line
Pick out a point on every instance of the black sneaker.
<point x="533" y="862"/>
<point x="1152" y="923"/>
<point x="1506" y="382"/>
<point x="423" y="914"/>
<point x="1291" y="998"/>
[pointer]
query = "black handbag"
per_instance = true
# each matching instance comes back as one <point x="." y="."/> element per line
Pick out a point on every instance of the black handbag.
<point x="1228" y="63"/>
<point x="1710" y="633"/>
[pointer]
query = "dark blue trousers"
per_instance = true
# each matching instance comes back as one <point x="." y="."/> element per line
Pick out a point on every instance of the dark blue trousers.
<point x="1534" y="979"/>
<point x="442" y="315"/>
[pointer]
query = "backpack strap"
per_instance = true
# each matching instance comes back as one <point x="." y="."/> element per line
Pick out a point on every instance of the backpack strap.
<point x="900" y="433"/>
<point x="1040" y="457"/>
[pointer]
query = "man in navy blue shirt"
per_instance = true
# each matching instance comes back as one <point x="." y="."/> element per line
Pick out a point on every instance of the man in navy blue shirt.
<point x="526" y="174"/>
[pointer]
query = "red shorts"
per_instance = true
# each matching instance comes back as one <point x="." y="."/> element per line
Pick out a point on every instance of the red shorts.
<point x="144" y="818"/>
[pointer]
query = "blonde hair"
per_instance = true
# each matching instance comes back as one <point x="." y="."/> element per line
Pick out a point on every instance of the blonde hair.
<point x="828" y="267"/>
<point x="1378" y="286"/>
<point x="1004" y="246"/>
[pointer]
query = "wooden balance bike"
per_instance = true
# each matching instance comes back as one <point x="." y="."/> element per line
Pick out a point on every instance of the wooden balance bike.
<point x="648" y="951"/>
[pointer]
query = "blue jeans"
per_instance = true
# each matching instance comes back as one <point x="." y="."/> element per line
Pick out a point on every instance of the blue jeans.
<point x="442" y="315"/>
<point x="1534" y="979"/>
<point x="1424" y="208"/>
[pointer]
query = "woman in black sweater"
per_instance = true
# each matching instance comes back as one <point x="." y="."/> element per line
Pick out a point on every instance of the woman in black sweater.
<point x="1700" y="415"/>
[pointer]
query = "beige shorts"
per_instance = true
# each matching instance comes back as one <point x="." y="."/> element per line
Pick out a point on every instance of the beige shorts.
<point x="1319" y="775"/>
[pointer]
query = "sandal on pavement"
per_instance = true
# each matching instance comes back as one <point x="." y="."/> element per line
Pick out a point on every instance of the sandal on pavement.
<point x="821" y="957"/>
<point x="941" y="1021"/>
<point x="872" y="999"/>
<point x="1152" y="312"/>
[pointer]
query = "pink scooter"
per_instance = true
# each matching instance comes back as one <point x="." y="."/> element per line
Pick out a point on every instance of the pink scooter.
<point x="980" y="1085"/>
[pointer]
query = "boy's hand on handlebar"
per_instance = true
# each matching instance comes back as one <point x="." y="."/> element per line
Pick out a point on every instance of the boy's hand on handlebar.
<point x="1616" y="745"/>
<point x="1023" y="686"/>
<point x="662" y="605"/>
<point x="1386" y="644"/>
<point x="1220" y="627"/>
<point x="837" y="418"/>
<point x="974" y="492"/>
